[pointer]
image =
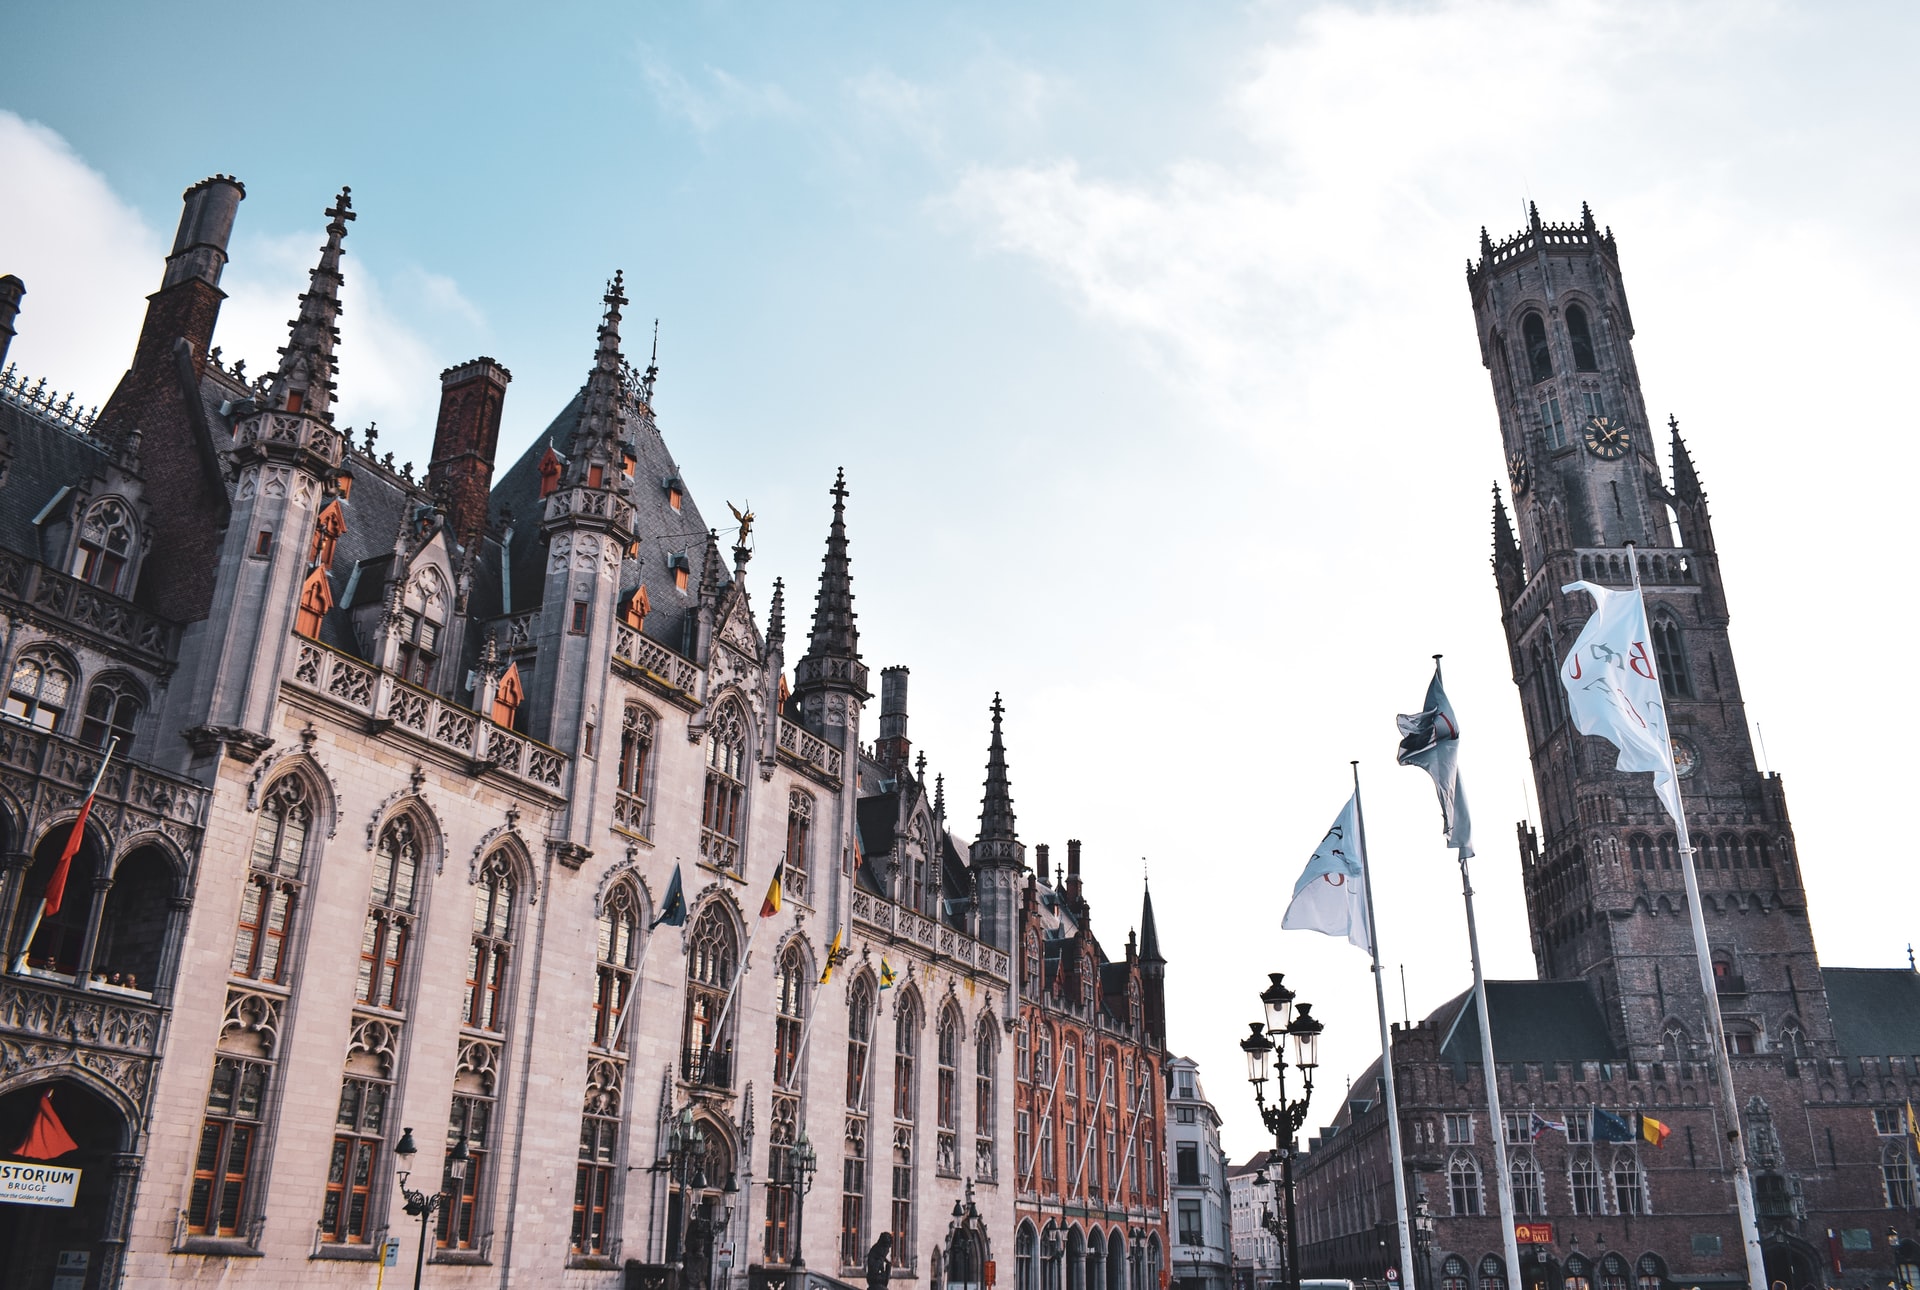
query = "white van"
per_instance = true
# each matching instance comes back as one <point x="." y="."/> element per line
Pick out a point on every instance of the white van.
<point x="1326" y="1285"/>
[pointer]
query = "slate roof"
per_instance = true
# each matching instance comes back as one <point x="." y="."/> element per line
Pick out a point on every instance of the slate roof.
<point x="1876" y="1011"/>
<point x="46" y="457"/>
<point x="1533" y="1021"/>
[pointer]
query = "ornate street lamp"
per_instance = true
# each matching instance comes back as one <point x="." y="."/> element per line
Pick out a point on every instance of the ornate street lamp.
<point x="419" y="1202"/>
<point x="1285" y="1019"/>
<point x="802" y="1162"/>
<point x="1423" y="1240"/>
<point x="686" y="1152"/>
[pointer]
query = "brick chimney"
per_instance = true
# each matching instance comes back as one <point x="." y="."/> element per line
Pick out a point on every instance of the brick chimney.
<point x="892" y="747"/>
<point x="1073" y="870"/>
<point x="11" y="289"/>
<point x="159" y="397"/>
<point x="1040" y="864"/>
<point x="471" y="397"/>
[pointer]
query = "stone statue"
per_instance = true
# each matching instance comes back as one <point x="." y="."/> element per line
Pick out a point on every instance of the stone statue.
<point x="880" y="1262"/>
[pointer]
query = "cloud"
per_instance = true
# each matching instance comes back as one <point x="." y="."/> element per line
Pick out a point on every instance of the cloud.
<point x="89" y="260"/>
<point x="719" y="97"/>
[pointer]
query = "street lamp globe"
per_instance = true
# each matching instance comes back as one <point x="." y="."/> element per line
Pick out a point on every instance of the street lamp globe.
<point x="1278" y="1002"/>
<point x="1259" y="1051"/>
<point x="1306" y="1030"/>
<point x="403" y="1154"/>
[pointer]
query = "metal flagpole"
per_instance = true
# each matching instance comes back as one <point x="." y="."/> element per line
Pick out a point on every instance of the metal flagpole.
<point x="719" y="1030"/>
<point x="80" y="822"/>
<point x="1716" y="1040"/>
<point x="1507" y="1235"/>
<point x="1400" y="1209"/>
<point x="1093" y="1130"/>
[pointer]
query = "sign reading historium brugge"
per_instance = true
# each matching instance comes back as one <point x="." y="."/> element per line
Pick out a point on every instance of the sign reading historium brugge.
<point x="28" y="1184"/>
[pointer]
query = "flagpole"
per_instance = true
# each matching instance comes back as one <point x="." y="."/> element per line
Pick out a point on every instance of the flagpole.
<point x="800" y="1049"/>
<point x="79" y="823"/>
<point x="1508" y="1238"/>
<point x="1400" y="1207"/>
<point x="720" y="1027"/>
<point x="1716" y="1040"/>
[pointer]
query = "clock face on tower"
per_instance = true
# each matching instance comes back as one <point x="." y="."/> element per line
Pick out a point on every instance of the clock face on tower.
<point x="1519" y="472"/>
<point x="1685" y="759"/>
<point x="1607" y="440"/>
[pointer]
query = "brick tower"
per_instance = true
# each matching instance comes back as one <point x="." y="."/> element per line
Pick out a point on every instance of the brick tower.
<point x="1605" y="895"/>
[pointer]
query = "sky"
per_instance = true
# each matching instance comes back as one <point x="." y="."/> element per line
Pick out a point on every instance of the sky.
<point x="1142" y="334"/>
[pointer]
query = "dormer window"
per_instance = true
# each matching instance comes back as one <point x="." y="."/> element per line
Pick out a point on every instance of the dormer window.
<point x="549" y="471"/>
<point x="596" y="475"/>
<point x="106" y="544"/>
<point x="507" y="697"/>
<point x="676" y="491"/>
<point x="1533" y="333"/>
<point x="682" y="568"/>
<point x="1581" y="336"/>
<point x="422" y="624"/>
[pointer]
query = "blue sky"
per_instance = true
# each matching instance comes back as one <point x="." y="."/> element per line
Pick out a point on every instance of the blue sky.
<point x="1142" y="335"/>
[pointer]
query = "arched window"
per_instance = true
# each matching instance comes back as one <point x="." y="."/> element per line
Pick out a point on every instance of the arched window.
<point x="1493" y="1274"/>
<point x="1463" y="1185"/>
<point x="986" y="1051"/>
<point x="790" y="1010"/>
<point x="1030" y="972"/>
<point x="423" y="621"/>
<point x="1585" y="1178"/>
<point x="1652" y="1273"/>
<point x="134" y="921"/>
<point x="711" y="958"/>
<point x="1577" y="1273"/>
<point x="723" y="815"/>
<point x="1670" y="655"/>
<point x="113" y="705"/>
<point x="1639" y="846"/>
<point x="1580" y="335"/>
<point x="492" y="946"/>
<point x="41" y="686"/>
<point x="636" y="763"/>
<point x="1533" y="332"/>
<point x="1673" y="1042"/>
<point x="462" y="1224"/>
<point x="1529" y="1199"/>
<point x="1453" y="1273"/>
<point x="276" y="880"/>
<point x="105" y="545"/>
<point x="1666" y="850"/>
<point x="597" y="1172"/>
<point x="853" y="1198"/>
<point x="946" y="1099"/>
<point x="1043" y="1071"/>
<point x="1896" y="1175"/>
<point x="390" y="914"/>
<point x="799" y="842"/>
<point x="1613" y="1273"/>
<point x="1024" y="1249"/>
<point x="906" y="1103"/>
<point x="1629" y="1193"/>
<point x="617" y="952"/>
<point x="1759" y="853"/>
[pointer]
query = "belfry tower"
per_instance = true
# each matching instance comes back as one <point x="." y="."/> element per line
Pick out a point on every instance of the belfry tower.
<point x="1605" y="894"/>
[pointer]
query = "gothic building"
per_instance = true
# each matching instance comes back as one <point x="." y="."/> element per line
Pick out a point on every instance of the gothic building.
<point x="1823" y="1057"/>
<point x="443" y="810"/>
<point x="1090" y="1097"/>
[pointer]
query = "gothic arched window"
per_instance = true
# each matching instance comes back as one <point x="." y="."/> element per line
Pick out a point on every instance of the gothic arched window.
<point x="1453" y="1273"/>
<point x="853" y="1195"/>
<point x="1896" y="1175"/>
<point x="947" y="1093"/>
<point x="1652" y="1273"/>
<point x="1463" y="1185"/>
<point x="1585" y="1178"/>
<point x="1493" y="1274"/>
<point x="275" y="881"/>
<point x="1581" y="336"/>
<point x="906" y="1052"/>
<point x="470" y="1119"/>
<point x="113" y="705"/>
<point x="492" y="947"/>
<point x="799" y="842"/>
<point x="41" y="687"/>
<point x="617" y="952"/>
<point x="986" y="1051"/>
<point x="636" y="765"/>
<point x="1670" y="655"/>
<point x="1529" y="1200"/>
<point x="723" y="814"/>
<point x="1639" y="845"/>
<point x="711" y="959"/>
<point x="423" y="621"/>
<point x="597" y="1172"/>
<point x="105" y="546"/>
<point x="1759" y="853"/>
<point x="790" y="1009"/>
<point x="1613" y="1273"/>
<point x="1533" y="331"/>
<point x="383" y="946"/>
<point x="1629" y="1196"/>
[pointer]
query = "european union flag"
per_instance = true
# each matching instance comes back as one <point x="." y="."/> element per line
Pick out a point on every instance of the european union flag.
<point x="673" y="910"/>
<point x="1608" y="1127"/>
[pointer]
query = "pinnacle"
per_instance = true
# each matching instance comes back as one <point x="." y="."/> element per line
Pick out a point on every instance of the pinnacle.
<point x="601" y="431"/>
<point x="305" y="376"/>
<point x="996" y="807"/>
<point x="1149" y="931"/>
<point x="1686" y="481"/>
<point x="834" y="631"/>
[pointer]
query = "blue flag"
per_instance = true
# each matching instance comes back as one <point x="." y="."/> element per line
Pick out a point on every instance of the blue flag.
<point x="1608" y="1127"/>
<point x="1430" y="739"/>
<point x="673" y="910"/>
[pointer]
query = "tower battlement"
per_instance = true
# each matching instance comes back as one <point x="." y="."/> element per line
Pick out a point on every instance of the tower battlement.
<point x="1584" y="236"/>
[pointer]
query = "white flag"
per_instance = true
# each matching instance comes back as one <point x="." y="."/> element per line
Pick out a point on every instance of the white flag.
<point x="1331" y="895"/>
<point x="1431" y="740"/>
<point x="1613" y="688"/>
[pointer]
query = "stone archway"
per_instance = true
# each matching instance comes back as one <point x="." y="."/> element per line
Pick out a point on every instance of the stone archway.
<point x="88" y="1238"/>
<point x="1791" y="1261"/>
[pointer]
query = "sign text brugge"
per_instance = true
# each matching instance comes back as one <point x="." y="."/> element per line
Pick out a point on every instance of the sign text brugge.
<point x="30" y="1184"/>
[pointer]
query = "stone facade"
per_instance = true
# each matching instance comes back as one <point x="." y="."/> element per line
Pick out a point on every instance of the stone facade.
<point x="450" y="807"/>
<point x="1257" y="1260"/>
<point x="1615" y="1027"/>
<point x="1202" y="1218"/>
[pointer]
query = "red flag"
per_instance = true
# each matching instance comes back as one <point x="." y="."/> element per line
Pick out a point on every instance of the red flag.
<point x="57" y="885"/>
<point x="48" y="1139"/>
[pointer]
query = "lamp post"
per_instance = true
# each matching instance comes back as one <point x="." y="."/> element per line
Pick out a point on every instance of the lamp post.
<point x="1269" y="1219"/>
<point x="1423" y="1240"/>
<point x="421" y="1203"/>
<point x="802" y="1162"/>
<point x="1286" y="1018"/>
<point x="1893" y="1249"/>
<point x="686" y="1149"/>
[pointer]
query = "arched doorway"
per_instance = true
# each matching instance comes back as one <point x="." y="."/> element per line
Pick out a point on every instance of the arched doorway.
<point x="40" y="1241"/>
<point x="1076" y="1260"/>
<point x="1116" y="1261"/>
<point x="1096" y="1257"/>
<point x="1791" y="1261"/>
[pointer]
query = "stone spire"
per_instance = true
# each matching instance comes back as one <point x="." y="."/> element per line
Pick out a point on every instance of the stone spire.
<point x="1509" y="569"/>
<point x="831" y="665"/>
<point x="834" y="632"/>
<point x="304" y="381"/>
<point x="996" y="808"/>
<point x="600" y="436"/>
<point x="777" y="615"/>
<point x="940" y="798"/>
<point x="1149" y="932"/>
<point x="1686" y="482"/>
